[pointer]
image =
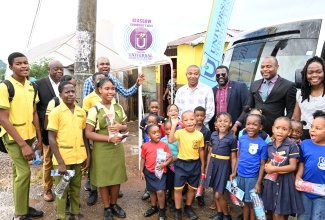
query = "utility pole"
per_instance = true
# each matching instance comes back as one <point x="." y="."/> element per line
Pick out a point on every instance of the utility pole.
<point x="84" y="64"/>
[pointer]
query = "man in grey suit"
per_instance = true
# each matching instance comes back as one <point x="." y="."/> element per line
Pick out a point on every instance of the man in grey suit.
<point x="273" y="94"/>
<point x="48" y="89"/>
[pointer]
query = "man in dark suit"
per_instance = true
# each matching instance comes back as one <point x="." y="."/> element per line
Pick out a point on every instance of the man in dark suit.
<point x="229" y="96"/>
<point x="273" y="94"/>
<point x="47" y="89"/>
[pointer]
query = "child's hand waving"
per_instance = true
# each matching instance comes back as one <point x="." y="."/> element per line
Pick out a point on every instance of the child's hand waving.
<point x="175" y="121"/>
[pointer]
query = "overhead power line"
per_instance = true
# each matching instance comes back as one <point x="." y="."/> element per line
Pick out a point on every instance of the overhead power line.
<point x="34" y="23"/>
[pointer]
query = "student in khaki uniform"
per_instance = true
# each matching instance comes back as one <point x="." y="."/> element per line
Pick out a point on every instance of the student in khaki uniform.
<point x="18" y="130"/>
<point x="66" y="125"/>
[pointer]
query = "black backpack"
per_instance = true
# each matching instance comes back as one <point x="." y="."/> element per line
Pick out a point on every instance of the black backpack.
<point x="11" y="92"/>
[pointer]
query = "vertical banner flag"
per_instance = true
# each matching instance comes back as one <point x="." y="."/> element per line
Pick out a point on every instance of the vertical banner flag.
<point x="215" y="40"/>
<point x="139" y="39"/>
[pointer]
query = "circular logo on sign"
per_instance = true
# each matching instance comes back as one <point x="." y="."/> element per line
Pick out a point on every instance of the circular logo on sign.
<point x="141" y="38"/>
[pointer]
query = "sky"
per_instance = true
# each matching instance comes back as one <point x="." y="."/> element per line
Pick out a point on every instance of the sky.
<point x="180" y="17"/>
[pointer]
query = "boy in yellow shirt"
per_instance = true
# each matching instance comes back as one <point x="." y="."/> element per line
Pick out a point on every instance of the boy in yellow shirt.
<point x="190" y="162"/>
<point x="18" y="130"/>
<point x="66" y="124"/>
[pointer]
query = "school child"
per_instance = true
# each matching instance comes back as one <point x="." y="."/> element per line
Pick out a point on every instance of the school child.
<point x="21" y="112"/>
<point x="156" y="186"/>
<point x="151" y="119"/>
<point x="94" y="97"/>
<point x="190" y="162"/>
<point x="153" y="109"/>
<point x="172" y="112"/>
<point x="107" y="148"/>
<point x="200" y="116"/>
<point x="66" y="125"/>
<point x="311" y="168"/>
<point x="252" y="154"/>
<point x="170" y="175"/>
<point x="222" y="159"/>
<point x="280" y="197"/>
<point x="261" y="133"/>
<point x="297" y="131"/>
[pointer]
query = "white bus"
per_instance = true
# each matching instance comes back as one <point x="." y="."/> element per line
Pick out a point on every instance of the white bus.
<point x="292" y="43"/>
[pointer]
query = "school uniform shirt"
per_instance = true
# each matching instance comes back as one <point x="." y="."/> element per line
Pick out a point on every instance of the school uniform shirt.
<point x="149" y="153"/>
<point x="69" y="128"/>
<point x="173" y="147"/>
<point x="313" y="158"/>
<point x="206" y="134"/>
<point x="252" y="151"/>
<point x="21" y="108"/>
<point x="189" y="144"/>
<point x="91" y="99"/>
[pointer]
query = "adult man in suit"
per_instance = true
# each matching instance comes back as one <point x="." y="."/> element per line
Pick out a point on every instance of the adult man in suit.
<point x="229" y="96"/>
<point x="273" y="95"/>
<point x="47" y="89"/>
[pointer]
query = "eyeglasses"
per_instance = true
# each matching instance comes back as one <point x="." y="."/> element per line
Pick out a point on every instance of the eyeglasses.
<point x="221" y="74"/>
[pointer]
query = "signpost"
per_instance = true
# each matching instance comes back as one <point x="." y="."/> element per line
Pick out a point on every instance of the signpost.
<point x="140" y="40"/>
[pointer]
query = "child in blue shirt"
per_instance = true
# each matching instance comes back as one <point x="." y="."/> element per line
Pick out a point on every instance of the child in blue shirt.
<point x="312" y="168"/>
<point x="252" y="154"/>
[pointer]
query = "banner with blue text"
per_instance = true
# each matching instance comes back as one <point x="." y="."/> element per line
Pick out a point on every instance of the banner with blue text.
<point x="215" y="40"/>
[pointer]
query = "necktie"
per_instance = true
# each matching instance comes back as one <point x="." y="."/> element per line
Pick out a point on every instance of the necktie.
<point x="265" y="90"/>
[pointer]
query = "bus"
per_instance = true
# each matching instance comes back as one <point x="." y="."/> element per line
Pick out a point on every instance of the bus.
<point x="292" y="43"/>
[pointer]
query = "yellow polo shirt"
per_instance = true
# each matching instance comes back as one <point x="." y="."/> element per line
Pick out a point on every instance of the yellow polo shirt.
<point x="91" y="100"/>
<point x="21" y="108"/>
<point x="51" y="106"/>
<point x="69" y="128"/>
<point x="189" y="144"/>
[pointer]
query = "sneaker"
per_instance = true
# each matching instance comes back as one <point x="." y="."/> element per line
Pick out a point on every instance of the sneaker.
<point x="200" y="201"/>
<point x="25" y="217"/>
<point x="108" y="214"/>
<point x="76" y="217"/>
<point x="162" y="214"/>
<point x="146" y="195"/>
<point x="178" y="215"/>
<point x="92" y="199"/>
<point x="87" y="186"/>
<point x="172" y="206"/>
<point x="190" y="213"/>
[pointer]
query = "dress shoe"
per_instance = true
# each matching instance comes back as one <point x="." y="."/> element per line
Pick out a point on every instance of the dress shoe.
<point x="215" y="217"/>
<point x="118" y="211"/>
<point x="200" y="201"/>
<point x="120" y="194"/>
<point x="190" y="213"/>
<point x="76" y="217"/>
<point x="178" y="215"/>
<point x="33" y="213"/>
<point x="92" y="199"/>
<point x="108" y="214"/>
<point x="48" y="196"/>
<point x="162" y="214"/>
<point x="151" y="211"/>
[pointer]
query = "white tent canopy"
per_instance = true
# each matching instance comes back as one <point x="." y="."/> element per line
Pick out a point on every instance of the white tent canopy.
<point x="63" y="49"/>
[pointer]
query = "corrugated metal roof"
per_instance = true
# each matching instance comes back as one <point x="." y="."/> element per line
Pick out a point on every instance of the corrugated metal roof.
<point x="199" y="38"/>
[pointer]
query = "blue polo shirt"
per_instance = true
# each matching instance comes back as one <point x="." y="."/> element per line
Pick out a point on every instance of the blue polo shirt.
<point x="251" y="152"/>
<point x="313" y="158"/>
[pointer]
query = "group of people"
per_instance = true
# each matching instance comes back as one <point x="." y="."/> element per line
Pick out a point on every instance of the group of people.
<point x="226" y="132"/>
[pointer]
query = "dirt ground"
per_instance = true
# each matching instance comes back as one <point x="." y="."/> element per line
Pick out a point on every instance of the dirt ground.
<point x="132" y="190"/>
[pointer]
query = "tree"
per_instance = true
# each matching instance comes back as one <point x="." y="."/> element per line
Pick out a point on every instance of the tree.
<point x="2" y="73"/>
<point x="38" y="69"/>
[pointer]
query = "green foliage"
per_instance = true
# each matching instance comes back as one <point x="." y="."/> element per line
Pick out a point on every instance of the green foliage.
<point x="2" y="73"/>
<point x="38" y="69"/>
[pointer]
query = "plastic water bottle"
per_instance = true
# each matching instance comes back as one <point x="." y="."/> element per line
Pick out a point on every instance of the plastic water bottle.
<point x="64" y="182"/>
<point x="200" y="189"/>
<point x="258" y="205"/>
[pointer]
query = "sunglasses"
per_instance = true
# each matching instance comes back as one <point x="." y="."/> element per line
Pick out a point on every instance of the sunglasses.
<point x="221" y="74"/>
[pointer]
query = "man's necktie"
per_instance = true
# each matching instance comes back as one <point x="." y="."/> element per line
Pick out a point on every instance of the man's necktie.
<point x="265" y="90"/>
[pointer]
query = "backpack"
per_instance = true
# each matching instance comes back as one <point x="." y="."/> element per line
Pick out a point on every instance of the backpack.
<point x="11" y="92"/>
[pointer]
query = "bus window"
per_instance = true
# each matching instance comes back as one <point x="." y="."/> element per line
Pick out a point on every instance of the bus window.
<point x="291" y="55"/>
